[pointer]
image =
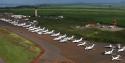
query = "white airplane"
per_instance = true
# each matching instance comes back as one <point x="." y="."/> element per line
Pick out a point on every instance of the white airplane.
<point x="49" y="32"/>
<point x="40" y="29"/>
<point x="60" y="37"/>
<point x="36" y="29"/>
<point x="70" y="38"/>
<point x="30" y="27"/>
<point x="76" y="41"/>
<point x="22" y="24"/>
<point x="44" y="31"/>
<point x="39" y="32"/>
<point x="89" y="47"/>
<point x="63" y="36"/>
<point x="119" y="46"/>
<point x="109" y="46"/>
<point x="121" y="49"/>
<point x="43" y="28"/>
<point x="15" y="23"/>
<point x="27" y="25"/>
<point x="116" y="58"/>
<point x="109" y="52"/>
<point x="82" y="43"/>
<point x="64" y="40"/>
<point x="55" y="34"/>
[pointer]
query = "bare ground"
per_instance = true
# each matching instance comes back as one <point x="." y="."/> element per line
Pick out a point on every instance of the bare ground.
<point x="1" y="61"/>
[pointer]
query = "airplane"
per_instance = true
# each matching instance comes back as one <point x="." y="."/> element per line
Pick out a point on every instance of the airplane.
<point x="108" y="52"/>
<point x="44" y="31"/>
<point x="70" y="38"/>
<point x="121" y="49"/>
<point x="119" y="46"/>
<point x="89" y="47"/>
<point x="82" y="44"/>
<point x="116" y="58"/>
<point x="55" y="34"/>
<point x="49" y="32"/>
<point x="109" y="46"/>
<point x="60" y="37"/>
<point x="39" y="32"/>
<point x="77" y="41"/>
<point x="64" y="40"/>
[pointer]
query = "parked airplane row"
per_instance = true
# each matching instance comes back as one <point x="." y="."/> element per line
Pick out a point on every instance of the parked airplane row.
<point x="64" y="38"/>
<point x="115" y="49"/>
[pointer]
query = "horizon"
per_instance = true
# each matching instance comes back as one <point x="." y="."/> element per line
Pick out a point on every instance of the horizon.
<point x="6" y="3"/>
<point x="57" y="1"/>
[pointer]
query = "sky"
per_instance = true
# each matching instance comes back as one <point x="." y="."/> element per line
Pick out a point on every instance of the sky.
<point x="56" y="1"/>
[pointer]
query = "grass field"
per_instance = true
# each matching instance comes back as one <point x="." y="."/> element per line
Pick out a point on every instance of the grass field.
<point x="79" y="17"/>
<point x="15" y="49"/>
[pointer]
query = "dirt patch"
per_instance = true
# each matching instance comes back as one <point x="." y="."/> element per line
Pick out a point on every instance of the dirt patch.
<point x="1" y="61"/>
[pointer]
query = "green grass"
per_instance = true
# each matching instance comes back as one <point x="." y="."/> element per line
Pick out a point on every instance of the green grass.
<point x="79" y="17"/>
<point x="13" y="52"/>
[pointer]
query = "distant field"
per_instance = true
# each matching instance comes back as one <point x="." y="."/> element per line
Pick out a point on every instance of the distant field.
<point x="79" y="17"/>
<point x="15" y="49"/>
<point x="103" y="15"/>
